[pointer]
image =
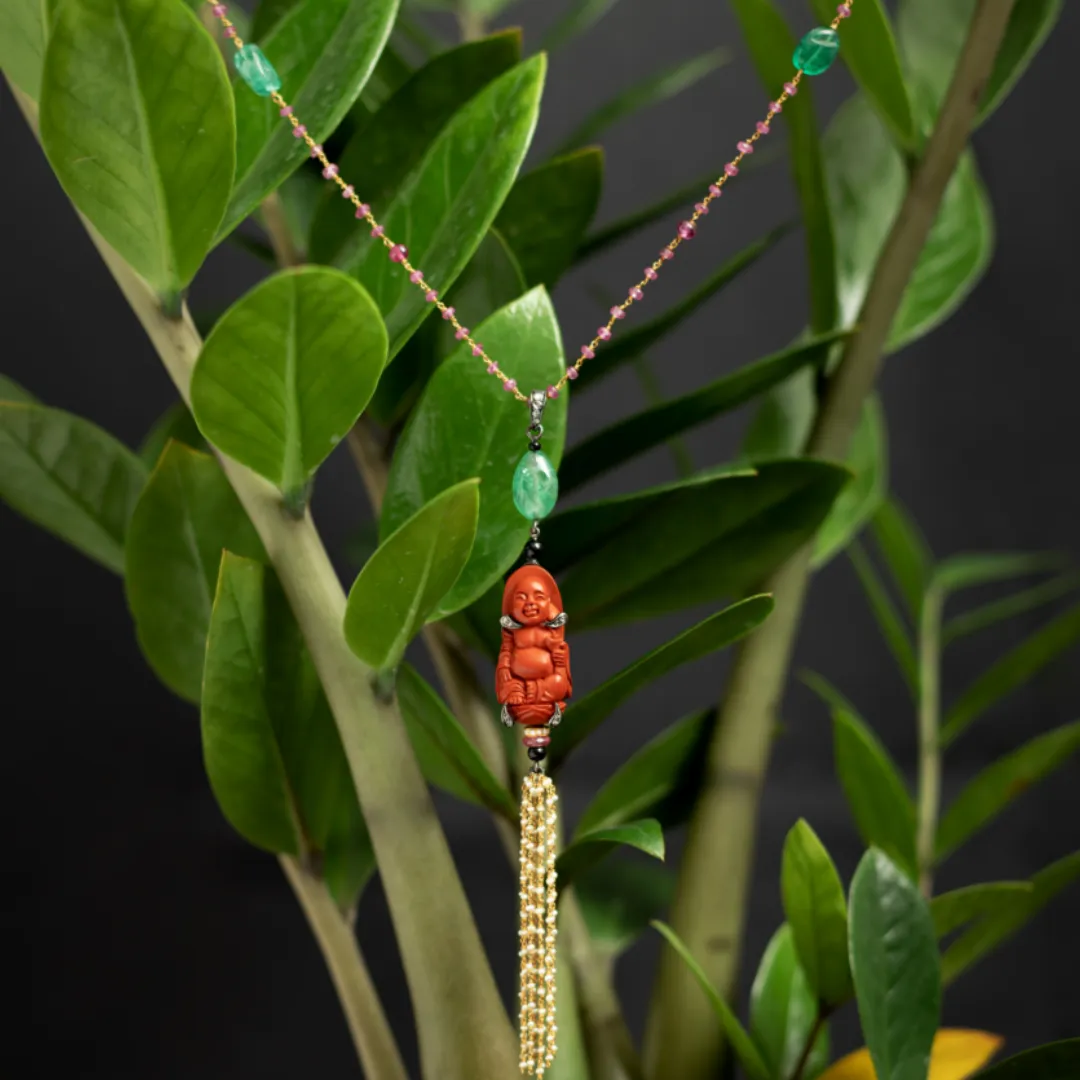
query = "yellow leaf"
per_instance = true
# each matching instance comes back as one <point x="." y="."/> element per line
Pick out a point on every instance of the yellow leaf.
<point x="958" y="1053"/>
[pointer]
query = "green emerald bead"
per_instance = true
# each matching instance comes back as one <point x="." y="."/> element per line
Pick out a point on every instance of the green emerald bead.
<point x="816" y="52"/>
<point x="256" y="70"/>
<point x="536" y="486"/>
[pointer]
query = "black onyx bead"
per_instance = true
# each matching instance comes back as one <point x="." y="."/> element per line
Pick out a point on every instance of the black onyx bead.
<point x="537" y="753"/>
<point x="534" y="445"/>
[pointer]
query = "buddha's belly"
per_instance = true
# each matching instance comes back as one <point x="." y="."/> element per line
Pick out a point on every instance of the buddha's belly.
<point x="532" y="663"/>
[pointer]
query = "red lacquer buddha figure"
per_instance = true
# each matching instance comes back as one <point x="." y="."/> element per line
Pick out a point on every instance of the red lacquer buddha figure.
<point x="532" y="677"/>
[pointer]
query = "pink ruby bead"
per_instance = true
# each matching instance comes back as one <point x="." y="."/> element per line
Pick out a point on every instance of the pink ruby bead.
<point x="775" y="107"/>
<point x="286" y="110"/>
<point x="478" y="350"/>
<point x="731" y="169"/>
<point x="398" y="253"/>
<point x="230" y="31"/>
<point x="587" y="352"/>
<point x="461" y="333"/>
<point x="701" y="208"/>
<point x="844" y="10"/>
<point x="348" y="191"/>
<point x="762" y="128"/>
<point x="363" y="210"/>
<point x="299" y="132"/>
<point x="316" y="150"/>
<point x="745" y="148"/>
<point x="510" y="385"/>
<point x="329" y="171"/>
<point x="636" y="294"/>
<point x="219" y="10"/>
<point x="431" y="296"/>
<point x="378" y="231"/>
<point x="687" y="230"/>
<point x="493" y="368"/>
<point x="667" y="254"/>
<point x="572" y="373"/>
<point x="618" y="313"/>
<point x="715" y="190"/>
<point x="791" y="89"/>
<point x="416" y="277"/>
<point x="604" y="334"/>
<point x="650" y="273"/>
<point x="448" y="313"/>
<point x="552" y="392"/>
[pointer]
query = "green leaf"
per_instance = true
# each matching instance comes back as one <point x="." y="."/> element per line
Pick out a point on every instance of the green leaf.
<point x="965" y="571"/>
<point x="443" y="750"/>
<point x="905" y="552"/>
<point x="741" y="1043"/>
<point x="619" y="898"/>
<point x="892" y="627"/>
<point x="649" y="91"/>
<point x="715" y="632"/>
<point x="548" y="210"/>
<point x="392" y="144"/>
<point x="783" y="1010"/>
<point x="186" y="516"/>
<point x="932" y="34"/>
<point x="988" y="933"/>
<point x="137" y="121"/>
<point x="816" y="912"/>
<point x="771" y="46"/>
<point x="894" y="962"/>
<point x="70" y="477"/>
<point x="581" y="16"/>
<point x="175" y="424"/>
<point x="24" y="28"/>
<point x="781" y="426"/>
<point x="694" y="541"/>
<point x="632" y="344"/>
<point x="272" y="750"/>
<point x="1015" y="668"/>
<point x="14" y="394"/>
<point x="617" y="444"/>
<point x="589" y="848"/>
<point x="954" y="909"/>
<point x="998" y="610"/>
<point x="870" y="52"/>
<point x="1054" y="1061"/>
<point x="999" y="784"/>
<point x="410" y="573"/>
<point x="659" y="781"/>
<point x="445" y="206"/>
<point x="324" y="51"/>
<point x="286" y="371"/>
<point x="466" y="425"/>
<point x="858" y="502"/>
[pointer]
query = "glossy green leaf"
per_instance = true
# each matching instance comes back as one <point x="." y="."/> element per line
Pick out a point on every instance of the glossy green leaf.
<point x="892" y="627"/>
<point x="137" y="121"/>
<point x="868" y="460"/>
<point x="548" y="210"/>
<point x="783" y="1011"/>
<point x="659" y="781"/>
<point x="817" y="914"/>
<point x="771" y="45"/>
<point x="13" y="393"/>
<point x="868" y="47"/>
<point x="955" y="909"/>
<point x="1008" y="607"/>
<point x="24" y="28"/>
<point x="579" y="17"/>
<point x="999" y="784"/>
<point x="633" y="343"/>
<point x="324" y="51"/>
<point x="932" y="34"/>
<point x="70" y="477"/>
<point x="1012" y="671"/>
<point x="410" y="573"/>
<point x="442" y="210"/>
<point x="175" y="424"/>
<point x="612" y="446"/>
<point x="186" y="516"/>
<point x="1054" y="1061"/>
<point x="966" y="571"/>
<point x="894" y="962"/>
<point x="619" y="898"/>
<point x="466" y="425"/>
<point x="286" y="372"/>
<point x="990" y="932"/>
<point x="694" y="541"/>
<point x="444" y="751"/>
<point x="272" y="750"/>
<point x="392" y="144"/>
<point x="716" y="632"/>
<point x="589" y="848"/>
<point x="876" y="794"/>
<point x="784" y="418"/>
<point x="648" y="91"/>
<point x="741" y="1043"/>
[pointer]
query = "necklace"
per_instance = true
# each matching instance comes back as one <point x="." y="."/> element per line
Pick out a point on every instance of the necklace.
<point x="532" y="675"/>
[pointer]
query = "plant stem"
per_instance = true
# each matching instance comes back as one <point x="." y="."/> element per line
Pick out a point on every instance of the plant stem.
<point x="470" y="22"/>
<point x="808" y="1049"/>
<point x="367" y="1022"/>
<point x="278" y="232"/>
<point x="682" y="1038"/>
<point x="929" y="740"/>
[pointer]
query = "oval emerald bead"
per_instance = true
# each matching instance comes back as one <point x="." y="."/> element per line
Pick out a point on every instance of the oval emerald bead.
<point x="816" y="52"/>
<point x="536" y="486"/>
<point x="256" y="70"/>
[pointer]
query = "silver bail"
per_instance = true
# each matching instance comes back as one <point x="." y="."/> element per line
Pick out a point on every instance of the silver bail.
<point x="537" y="401"/>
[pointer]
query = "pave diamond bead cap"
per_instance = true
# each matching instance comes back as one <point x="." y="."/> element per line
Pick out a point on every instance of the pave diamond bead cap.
<point x="816" y="52"/>
<point x="253" y="67"/>
<point x="535" y="486"/>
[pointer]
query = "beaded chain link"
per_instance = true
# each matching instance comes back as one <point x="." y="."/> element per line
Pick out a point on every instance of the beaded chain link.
<point x="538" y="930"/>
<point x="817" y="50"/>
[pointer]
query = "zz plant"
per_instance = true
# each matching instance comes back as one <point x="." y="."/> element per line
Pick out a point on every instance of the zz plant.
<point x="320" y="740"/>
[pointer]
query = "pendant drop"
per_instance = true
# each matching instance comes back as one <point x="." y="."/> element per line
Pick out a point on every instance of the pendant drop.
<point x="536" y="485"/>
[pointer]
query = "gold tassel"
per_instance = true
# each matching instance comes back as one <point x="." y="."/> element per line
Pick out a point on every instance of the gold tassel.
<point x="538" y="931"/>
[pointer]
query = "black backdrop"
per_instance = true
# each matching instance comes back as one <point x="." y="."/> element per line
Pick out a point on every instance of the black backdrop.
<point x="146" y="940"/>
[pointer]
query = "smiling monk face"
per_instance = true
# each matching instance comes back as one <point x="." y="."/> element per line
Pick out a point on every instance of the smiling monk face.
<point x="531" y="596"/>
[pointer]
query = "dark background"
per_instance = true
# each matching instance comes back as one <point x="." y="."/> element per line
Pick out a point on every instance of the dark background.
<point x="147" y="940"/>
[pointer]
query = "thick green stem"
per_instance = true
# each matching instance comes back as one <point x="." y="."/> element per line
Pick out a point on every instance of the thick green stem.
<point x="929" y="739"/>
<point x="360" y="1003"/>
<point x="682" y="1037"/>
